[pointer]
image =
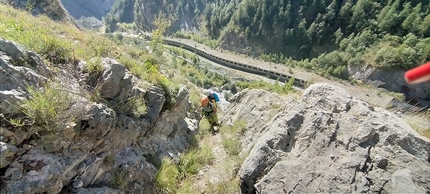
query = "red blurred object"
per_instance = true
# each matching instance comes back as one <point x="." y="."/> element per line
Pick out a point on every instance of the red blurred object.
<point x="418" y="74"/>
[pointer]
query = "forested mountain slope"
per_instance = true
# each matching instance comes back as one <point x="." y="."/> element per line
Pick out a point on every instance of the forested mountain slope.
<point x="393" y="34"/>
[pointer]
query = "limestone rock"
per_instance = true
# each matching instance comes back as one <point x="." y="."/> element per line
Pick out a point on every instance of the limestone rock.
<point x="21" y="57"/>
<point x="11" y="101"/>
<point x="38" y="172"/>
<point x="52" y="8"/>
<point x="7" y="153"/>
<point x="402" y="182"/>
<point x="257" y="108"/>
<point x="112" y="76"/>
<point x="392" y="80"/>
<point x="98" y="121"/>
<point x="155" y="98"/>
<point x="135" y="169"/>
<point x="13" y="137"/>
<point x="331" y="142"/>
<point x="102" y="190"/>
<point x="172" y="132"/>
<point x="19" y="69"/>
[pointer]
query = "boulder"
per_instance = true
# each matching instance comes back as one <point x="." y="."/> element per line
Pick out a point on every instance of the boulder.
<point x="101" y="190"/>
<point x="155" y="98"/>
<point x="7" y="154"/>
<point x="257" y="107"/>
<point x="21" y="57"/>
<point x="112" y="76"/>
<point x="172" y="132"/>
<point x="54" y="9"/>
<point x="11" y="101"/>
<point x="19" y="70"/>
<point x="331" y="142"/>
<point x="130" y="171"/>
<point x="38" y="172"/>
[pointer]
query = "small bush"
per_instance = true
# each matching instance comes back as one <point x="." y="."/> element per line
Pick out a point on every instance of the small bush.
<point x="193" y="160"/>
<point x="16" y="122"/>
<point x="207" y="83"/>
<point x="128" y="62"/>
<point x="286" y="88"/>
<point x="94" y="65"/>
<point x="194" y="97"/>
<point x="227" y="96"/>
<point x="47" y="107"/>
<point x="101" y="47"/>
<point x="233" y="88"/>
<point x="232" y="146"/>
<point x="119" y="179"/>
<point x="170" y="93"/>
<point x="167" y="177"/>
<point x="109" y="160"/>
<point x="225" y="186"/>
<point x="199" y="82"/>
<point x="55" y="49"/>
<point x="238" y="128"/>
<point x="135" y="105"/>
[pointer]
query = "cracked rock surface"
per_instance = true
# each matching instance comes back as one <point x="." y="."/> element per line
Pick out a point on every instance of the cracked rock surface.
<point x="328" y="142"/>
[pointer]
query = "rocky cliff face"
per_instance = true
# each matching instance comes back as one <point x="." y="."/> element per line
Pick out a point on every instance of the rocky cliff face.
<point x="54" y="9"/>
<point x="103" y="149"/>
<point x="327" y="142"/>
<point x="88" y="8"/>
<point x="393" y="80"/>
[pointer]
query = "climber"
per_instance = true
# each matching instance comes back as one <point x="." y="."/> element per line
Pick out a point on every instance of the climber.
<point x="209" y="110"/>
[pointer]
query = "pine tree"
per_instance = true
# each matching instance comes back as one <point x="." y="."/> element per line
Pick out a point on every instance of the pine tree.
<point x="413" y="20"/>
<point x="425" y="27"/>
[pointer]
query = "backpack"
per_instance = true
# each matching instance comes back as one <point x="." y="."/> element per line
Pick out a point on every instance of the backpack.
<point x="213" y="97"/>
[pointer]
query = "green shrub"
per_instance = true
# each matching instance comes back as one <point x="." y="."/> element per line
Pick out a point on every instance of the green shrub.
<point x="94" y="65"/>
<point x="232" y="146"/>
<point x="207" y="83"/>
<point x="193" y="160"/>
<point x="57" y="50"/>
<point x="167" y="176"/>
<point x="227" y="96"/>
<point x="135" y="105"/>
<point x="225" y="186"/>
<point x="120" y="179"/>
<point x="233" y="88"/>
<point x="101" y="47"/>
<point x="48" y="107"/>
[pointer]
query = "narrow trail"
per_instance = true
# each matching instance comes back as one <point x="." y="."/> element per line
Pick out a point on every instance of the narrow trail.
<point x="216" y="172"/>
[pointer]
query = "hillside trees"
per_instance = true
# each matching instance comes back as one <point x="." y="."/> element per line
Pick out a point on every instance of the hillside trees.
<point x="157" y="35"/>
<point x="144" y="11"/>
<point x="360" y="30"/>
